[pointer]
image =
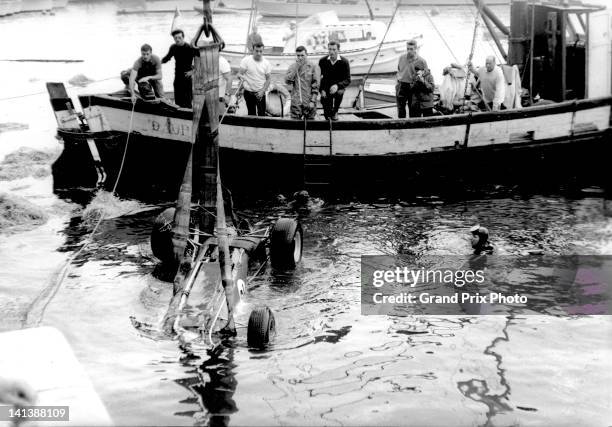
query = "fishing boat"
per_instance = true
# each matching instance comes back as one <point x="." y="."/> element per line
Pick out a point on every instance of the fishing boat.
<point x="361" y="41"/>
<point x="350" y="8"/>
<point x="155" y="6"/>
<point x="9" y="7"/>
<point x="368" y="147"/>
<point x="36" y="6"/>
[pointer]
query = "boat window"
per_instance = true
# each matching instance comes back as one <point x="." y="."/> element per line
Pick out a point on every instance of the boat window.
<point x="338" y="36"/>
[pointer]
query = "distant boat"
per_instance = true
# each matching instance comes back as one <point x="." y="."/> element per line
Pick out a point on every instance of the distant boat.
<point x="36" y="5"/>
<point x="360" y="42"/>
<point x="9" y="7"/>
<point x="351" y="8"/>
<point x="155" y="6"/>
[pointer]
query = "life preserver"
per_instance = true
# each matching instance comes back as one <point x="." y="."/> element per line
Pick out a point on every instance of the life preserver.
<point x="278" y="101"/>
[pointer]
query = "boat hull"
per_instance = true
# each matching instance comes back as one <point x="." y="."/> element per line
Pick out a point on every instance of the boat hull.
<point x="9" y="7"/>
<point x="266" y="155"/>
<point x="155" y="6"/>
<point x="36" y="5"/>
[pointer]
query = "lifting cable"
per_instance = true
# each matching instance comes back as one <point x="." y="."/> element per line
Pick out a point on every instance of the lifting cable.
<point x="397" y="5"/>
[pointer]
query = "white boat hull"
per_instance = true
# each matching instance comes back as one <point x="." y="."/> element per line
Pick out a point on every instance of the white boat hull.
<point x="9" y="7"/>
<point x="155" y="6"/>
<point x="360" y="60"/>
<point x="36" y="5"/>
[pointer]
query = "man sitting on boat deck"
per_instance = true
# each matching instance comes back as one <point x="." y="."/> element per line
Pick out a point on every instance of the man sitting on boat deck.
<point x="183" y="55"/>
<point x="492" y="84"/>
<point x="303" y="77"/>
<point x="255" y="72"/>
<point x="335" y="77"/>
<point x="147" y="68"/>
<point x="422" y="91"/>
<point x="406" y="74"/>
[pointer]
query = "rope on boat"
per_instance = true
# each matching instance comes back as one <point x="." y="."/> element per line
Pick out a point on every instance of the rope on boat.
<point x="66" y="267"/>
<point x="397" y="5"/>
<point x="435" y="27"/>
<point x="471" y="56"/>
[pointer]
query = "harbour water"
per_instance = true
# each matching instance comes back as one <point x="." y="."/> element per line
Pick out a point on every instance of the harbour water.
<point x="329" y="364"/>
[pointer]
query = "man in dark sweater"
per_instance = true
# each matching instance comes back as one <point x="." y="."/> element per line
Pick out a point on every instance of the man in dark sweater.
<point x="183" y="55"/>
<point x="335" y="77"/>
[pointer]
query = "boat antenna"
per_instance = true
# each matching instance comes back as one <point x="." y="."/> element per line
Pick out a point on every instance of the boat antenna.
<point x="365" y="78"/>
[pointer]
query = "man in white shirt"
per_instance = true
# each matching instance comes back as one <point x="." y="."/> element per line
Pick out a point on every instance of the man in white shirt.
<point x="225" y="82"/>
<point x="491" y="82"/>
<point x="255" y="72"/>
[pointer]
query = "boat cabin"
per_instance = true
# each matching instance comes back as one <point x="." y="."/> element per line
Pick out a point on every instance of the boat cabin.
<point x="566" y="63"/>
<point x="317" y="30"/>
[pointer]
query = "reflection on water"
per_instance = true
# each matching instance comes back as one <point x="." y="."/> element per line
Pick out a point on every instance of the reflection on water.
<point x="213" y="387"/>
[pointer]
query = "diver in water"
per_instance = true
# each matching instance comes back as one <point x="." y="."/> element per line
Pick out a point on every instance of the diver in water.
<point x="480" y="240"/>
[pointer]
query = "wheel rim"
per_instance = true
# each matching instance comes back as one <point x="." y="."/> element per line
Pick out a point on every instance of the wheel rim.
<point x="297" y="246"/>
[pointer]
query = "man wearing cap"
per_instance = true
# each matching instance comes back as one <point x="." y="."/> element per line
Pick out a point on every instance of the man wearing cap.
<point x="480" y="240"/>
<point x="406" y="75"/>
<point x="422" y="91"/>
<point x="183" y="55"/>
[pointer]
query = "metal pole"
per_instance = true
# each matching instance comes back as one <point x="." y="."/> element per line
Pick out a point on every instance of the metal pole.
<point x="531" y="46"/>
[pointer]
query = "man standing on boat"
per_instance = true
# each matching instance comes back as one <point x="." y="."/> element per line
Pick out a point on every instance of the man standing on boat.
<point x="183" y="55"/>
<point x="335" y="77"/>
<point x="255" y="72"/>
<point x="406" y="75"/>
<point x="422" y="91"/>
<point x="289" y="37"/>
<point x="147" y="68"/>
<point x="492" y="84"/>
<point x="253" y="39"/>
<point x="303" y="77"/>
